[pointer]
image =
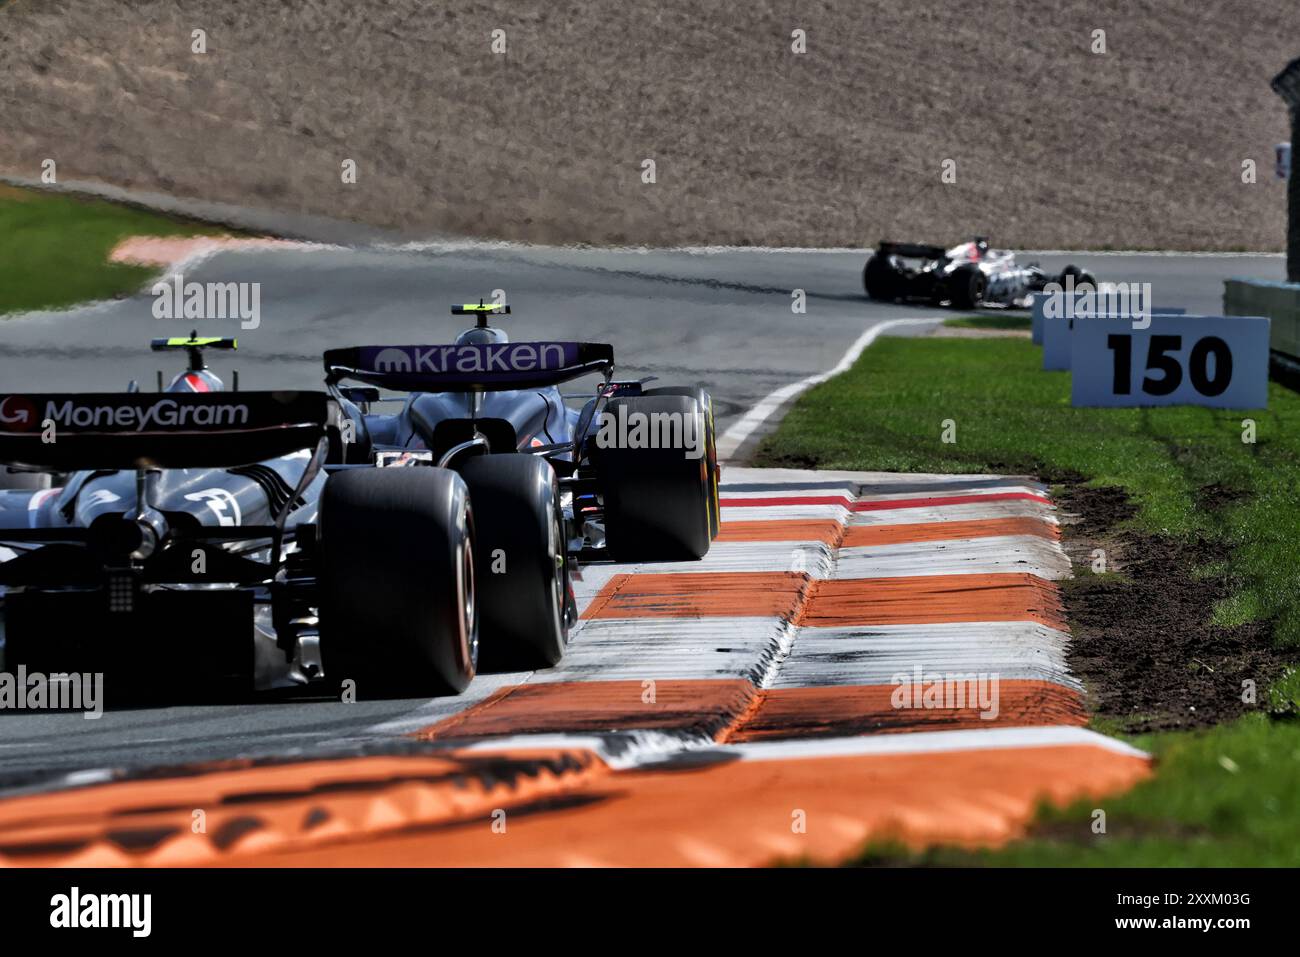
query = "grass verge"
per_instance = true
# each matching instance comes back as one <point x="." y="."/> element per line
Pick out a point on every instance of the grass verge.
<point x="55" y="248"/>
<point x="890" y="410"/>
<point x="1221" y="794"/>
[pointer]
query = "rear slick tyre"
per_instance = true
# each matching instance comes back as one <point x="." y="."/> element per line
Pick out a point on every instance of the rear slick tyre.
<point x="967" y="286"/>
<point x="710" y="448"/>
<point x="522" y="571"/>
<point x="656" y="499"/>
<point x="879" y="280"/>
<point x="397" y="605"/>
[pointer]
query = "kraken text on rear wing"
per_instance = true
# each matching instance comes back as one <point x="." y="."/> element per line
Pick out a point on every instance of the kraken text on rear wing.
<point x="489" y="366"/>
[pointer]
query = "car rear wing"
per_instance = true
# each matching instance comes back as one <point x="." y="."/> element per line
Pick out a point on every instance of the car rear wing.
<point x="479" y="367"/>
<point x="132" y="430"/>
<point x="913" y="250"/>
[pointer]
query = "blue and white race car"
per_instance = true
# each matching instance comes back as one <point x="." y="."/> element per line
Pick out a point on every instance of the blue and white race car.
<point x="967" y="275"/>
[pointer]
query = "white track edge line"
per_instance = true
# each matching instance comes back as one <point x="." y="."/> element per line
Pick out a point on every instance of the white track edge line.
<point x="740" y="431"/>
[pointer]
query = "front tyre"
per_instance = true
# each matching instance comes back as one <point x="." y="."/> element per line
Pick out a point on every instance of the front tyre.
<point x="397" y="582"/>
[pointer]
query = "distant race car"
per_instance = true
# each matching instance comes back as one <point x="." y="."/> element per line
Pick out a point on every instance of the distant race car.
<point x="491" y="410"/>
<point x="965" y="276"/>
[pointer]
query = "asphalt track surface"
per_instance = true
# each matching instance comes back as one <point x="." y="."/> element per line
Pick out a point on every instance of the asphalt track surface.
<point x="720" y="318"/>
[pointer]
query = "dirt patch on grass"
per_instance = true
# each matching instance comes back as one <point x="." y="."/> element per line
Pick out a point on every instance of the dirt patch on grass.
<point x="967" y="332"/>
<point x="1143" y="639"/>
<point x="1056" y="143"/>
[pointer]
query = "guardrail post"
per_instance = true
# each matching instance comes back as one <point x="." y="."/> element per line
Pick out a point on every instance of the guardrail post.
<point x="1287" y="85"/>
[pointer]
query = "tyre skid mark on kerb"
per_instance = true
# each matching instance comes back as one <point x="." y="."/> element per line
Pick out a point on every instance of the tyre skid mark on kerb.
<point x="879" y="654"/>
<point x="682" y="795"/>
<point x="669" y="648"/>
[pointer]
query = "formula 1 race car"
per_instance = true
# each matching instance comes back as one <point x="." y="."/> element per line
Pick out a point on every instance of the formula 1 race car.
<point x="190" y="520"/>
<point x="965" y="276"/>
<point x="630" y="475"/>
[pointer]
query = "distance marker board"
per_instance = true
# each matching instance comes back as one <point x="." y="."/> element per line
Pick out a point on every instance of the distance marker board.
<point x="1217" y="361"/>
<point x="1057" y="332"/>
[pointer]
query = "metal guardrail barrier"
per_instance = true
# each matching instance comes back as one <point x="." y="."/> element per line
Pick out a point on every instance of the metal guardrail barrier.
<point x="1280" y="301"/>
